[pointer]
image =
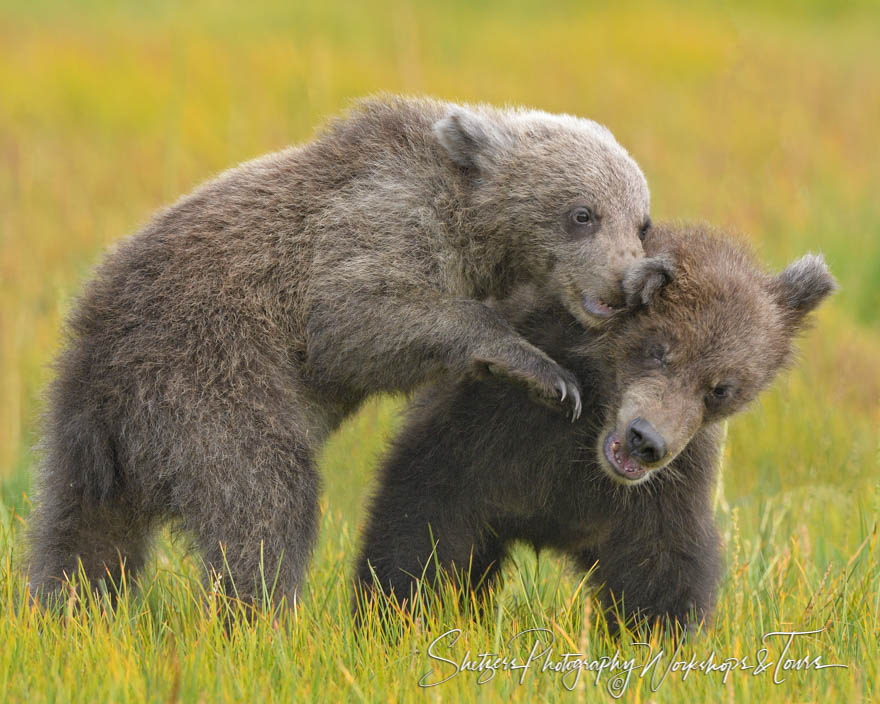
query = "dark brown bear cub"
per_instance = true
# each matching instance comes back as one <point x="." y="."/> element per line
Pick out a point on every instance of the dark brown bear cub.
<point x="627" y="488"/>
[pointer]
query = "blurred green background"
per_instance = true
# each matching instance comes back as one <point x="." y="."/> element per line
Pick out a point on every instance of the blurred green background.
<point x="761" y="117"/>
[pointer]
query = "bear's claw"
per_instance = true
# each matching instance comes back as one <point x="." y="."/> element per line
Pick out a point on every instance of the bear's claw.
<point x="570" y="391"/>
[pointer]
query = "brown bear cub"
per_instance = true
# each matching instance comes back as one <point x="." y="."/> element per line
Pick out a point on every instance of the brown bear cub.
<point x="629" y="487"/>
<point x="216" y="349"/>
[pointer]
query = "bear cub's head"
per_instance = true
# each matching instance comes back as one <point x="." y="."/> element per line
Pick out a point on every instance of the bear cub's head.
<point x="708" y="342"/>
<point x="565" y="197"/>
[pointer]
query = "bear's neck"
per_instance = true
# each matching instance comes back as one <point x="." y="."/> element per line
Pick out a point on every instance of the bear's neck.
<point x="482" y="259"/>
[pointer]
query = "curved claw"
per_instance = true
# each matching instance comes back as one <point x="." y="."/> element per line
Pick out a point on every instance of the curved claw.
<point x="576" y="413"/>
<point x="563" y="390"/>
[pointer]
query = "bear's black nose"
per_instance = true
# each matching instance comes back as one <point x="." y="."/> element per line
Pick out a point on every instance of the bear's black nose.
<point x="644" y="442"/>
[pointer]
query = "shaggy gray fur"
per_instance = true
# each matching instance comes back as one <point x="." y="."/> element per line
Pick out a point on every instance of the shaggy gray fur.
<point x="215" y="350"/>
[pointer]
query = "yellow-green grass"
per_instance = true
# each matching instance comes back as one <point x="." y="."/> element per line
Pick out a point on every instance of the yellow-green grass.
<point x="762" y="118"/>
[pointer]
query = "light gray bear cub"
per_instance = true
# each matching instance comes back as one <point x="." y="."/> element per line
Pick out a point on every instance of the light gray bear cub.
<point x="215" y="350"/>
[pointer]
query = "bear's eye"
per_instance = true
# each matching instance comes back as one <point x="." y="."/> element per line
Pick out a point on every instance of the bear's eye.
<point x="582" y="221"/>
<point x="719" y="393"/>
<point x="657" y="353"/>
<point x="643" y="230"/>
<point x="582" y="216"/>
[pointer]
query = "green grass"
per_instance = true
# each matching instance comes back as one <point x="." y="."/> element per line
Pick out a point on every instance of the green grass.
<point x="759" y="116"/>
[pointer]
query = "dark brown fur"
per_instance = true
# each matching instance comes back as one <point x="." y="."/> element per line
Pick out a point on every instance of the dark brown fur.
<point x="477" y="467"/>
<point x="215" y="350"/>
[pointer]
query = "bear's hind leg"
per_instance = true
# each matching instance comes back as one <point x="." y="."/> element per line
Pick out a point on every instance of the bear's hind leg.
<point x="251" y="503"/>
<point x="69" y="532"/>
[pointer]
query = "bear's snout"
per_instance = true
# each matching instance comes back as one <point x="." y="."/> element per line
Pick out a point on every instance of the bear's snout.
<point x="644" y="442"/>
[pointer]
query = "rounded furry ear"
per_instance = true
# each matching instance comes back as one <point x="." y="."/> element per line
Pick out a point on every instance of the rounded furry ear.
<point x="468" y="138"/>
<point x="802" y="286"/>
<point x="646" y="277"/>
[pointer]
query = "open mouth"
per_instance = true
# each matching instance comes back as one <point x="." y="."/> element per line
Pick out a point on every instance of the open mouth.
<point x="598" y="307"/>
<point x="617" y="457"/>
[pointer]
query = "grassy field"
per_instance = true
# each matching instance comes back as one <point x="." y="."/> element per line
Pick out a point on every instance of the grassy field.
<point x="759" y="117"/>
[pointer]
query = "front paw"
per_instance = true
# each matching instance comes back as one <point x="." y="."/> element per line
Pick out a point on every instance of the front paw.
<point x="547" y="383"/>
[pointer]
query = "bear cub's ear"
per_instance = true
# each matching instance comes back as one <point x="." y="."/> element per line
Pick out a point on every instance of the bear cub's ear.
<point x="802" y="286"/>
<point x="469" y="139"/>
<point x="646" y="277"/>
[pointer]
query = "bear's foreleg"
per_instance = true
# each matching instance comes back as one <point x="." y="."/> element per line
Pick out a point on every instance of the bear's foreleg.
<point x="379" y="343"/>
